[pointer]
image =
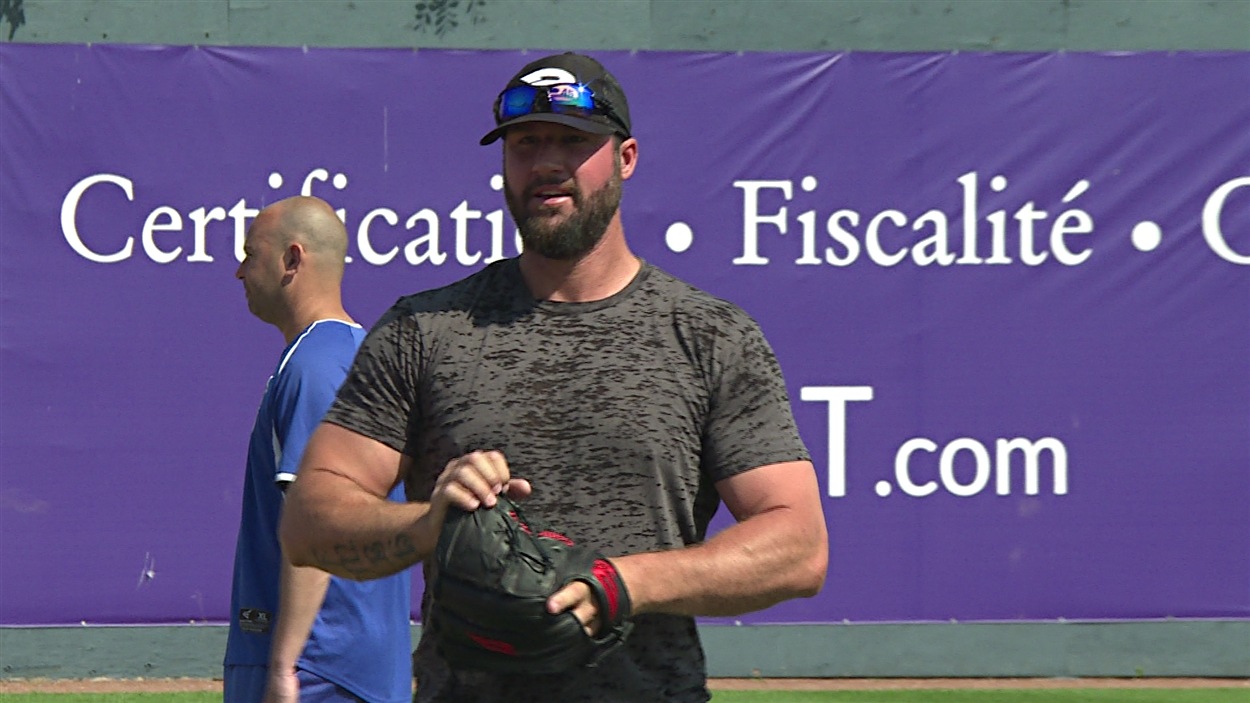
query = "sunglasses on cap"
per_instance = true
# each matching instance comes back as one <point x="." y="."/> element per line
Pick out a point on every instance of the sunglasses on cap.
<point x="563" y="99"/>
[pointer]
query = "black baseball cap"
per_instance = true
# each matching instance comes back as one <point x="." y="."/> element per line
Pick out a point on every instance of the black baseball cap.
<point x="537" y="93"/>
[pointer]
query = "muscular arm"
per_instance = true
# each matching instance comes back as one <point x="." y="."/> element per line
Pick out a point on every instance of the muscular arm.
<point x="337" y="516"/>
<point x="777" y="550"/>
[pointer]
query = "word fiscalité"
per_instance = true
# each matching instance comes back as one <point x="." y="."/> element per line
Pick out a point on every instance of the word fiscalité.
<point x="983" y="226"/>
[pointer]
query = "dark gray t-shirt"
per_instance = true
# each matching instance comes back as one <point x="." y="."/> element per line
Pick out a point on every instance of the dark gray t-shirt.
<point x="622" y="413"/>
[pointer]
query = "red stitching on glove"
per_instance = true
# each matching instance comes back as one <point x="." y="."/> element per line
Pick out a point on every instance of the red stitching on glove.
<point x="517" y="519"/>
<point x="605" y="572"/>
<point x="493" y="645"/>
<point x="556" y="536"/>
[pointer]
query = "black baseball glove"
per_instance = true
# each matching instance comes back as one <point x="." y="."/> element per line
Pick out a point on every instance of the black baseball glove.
<point x="495" y="571"/>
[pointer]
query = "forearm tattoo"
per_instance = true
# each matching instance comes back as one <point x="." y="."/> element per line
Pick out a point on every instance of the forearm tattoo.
<point x="370" y="560"/>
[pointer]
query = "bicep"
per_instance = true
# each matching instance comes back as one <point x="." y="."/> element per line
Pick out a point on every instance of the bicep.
<point x="335" y="451"/>
<point x="789" y="485"/>
<point x="781" y="536"/>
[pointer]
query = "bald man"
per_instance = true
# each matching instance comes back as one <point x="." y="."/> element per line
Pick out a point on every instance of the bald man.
<point x="296" y="633"/>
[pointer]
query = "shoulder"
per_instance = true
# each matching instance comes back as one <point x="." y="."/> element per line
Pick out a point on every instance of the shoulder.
<point x="695" y="309"/>
<point x="325" y="343"/>
<point x="484" y="288"/>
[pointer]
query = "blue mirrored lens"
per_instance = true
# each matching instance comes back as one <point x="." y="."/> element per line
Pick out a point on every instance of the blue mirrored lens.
<point x="563" y="99"/>
<point x="517" y="101"/>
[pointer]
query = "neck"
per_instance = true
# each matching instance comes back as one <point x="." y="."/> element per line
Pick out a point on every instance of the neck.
<point x="603" y="272"/>
<point x="310" y="311"/>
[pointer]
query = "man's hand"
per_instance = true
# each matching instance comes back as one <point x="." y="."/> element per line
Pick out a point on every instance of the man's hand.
<point x="474" y="480"/>
<point x="577" y="597"/>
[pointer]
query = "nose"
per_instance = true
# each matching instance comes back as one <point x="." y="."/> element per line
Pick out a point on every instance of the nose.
<point x="549" y="157"/>
<point x="238" y="272"/>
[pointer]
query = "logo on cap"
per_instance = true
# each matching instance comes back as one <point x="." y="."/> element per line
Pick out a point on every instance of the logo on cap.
<point x="548" y="76"/>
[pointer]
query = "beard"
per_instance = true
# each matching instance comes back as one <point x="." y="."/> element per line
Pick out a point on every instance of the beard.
<point x="576" y="235"/>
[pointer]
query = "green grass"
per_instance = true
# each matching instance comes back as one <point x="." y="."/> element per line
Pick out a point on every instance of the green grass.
<point x="1072" y="695"/>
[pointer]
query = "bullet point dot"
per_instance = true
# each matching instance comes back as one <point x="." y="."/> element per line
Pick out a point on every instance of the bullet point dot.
<point x="1147" y="236"/>
<point x="679" y="237"/>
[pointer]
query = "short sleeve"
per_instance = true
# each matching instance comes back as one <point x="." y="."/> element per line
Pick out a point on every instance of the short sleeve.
<point x="378" y="396"/>
<point x="750" y="422"/>
<point x="304" y="390"/>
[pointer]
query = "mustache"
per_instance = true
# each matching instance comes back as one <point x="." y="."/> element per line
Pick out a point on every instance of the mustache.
<point x="568" y="185"/>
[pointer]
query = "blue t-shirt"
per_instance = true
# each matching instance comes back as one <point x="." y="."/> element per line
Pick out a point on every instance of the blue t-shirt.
<point x="361" y="638"/>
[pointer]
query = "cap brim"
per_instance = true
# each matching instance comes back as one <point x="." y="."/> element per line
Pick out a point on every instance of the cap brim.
<point x="573" y="121"/>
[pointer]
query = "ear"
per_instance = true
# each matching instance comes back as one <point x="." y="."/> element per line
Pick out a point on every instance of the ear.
<point x="629" y="157"/>
<point x="293" y="257"/>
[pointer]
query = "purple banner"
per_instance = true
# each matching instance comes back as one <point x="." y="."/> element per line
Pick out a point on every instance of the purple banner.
<point x="1010" y="292"/>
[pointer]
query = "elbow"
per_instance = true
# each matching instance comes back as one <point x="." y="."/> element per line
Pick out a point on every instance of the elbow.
<point x="295" y="544"/>
<point x="811" y="575"/>
<point x="812" y="568"/>
<point x="301" y="525"/>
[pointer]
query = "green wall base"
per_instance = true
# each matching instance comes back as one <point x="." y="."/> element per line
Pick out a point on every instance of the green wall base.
<point x="1174" y="648"/>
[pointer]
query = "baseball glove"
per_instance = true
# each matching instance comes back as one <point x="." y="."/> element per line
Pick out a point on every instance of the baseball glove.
<point x="495" y="571"/>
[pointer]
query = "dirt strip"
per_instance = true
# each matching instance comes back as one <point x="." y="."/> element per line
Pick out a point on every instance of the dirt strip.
<point x="107" y="685"/>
